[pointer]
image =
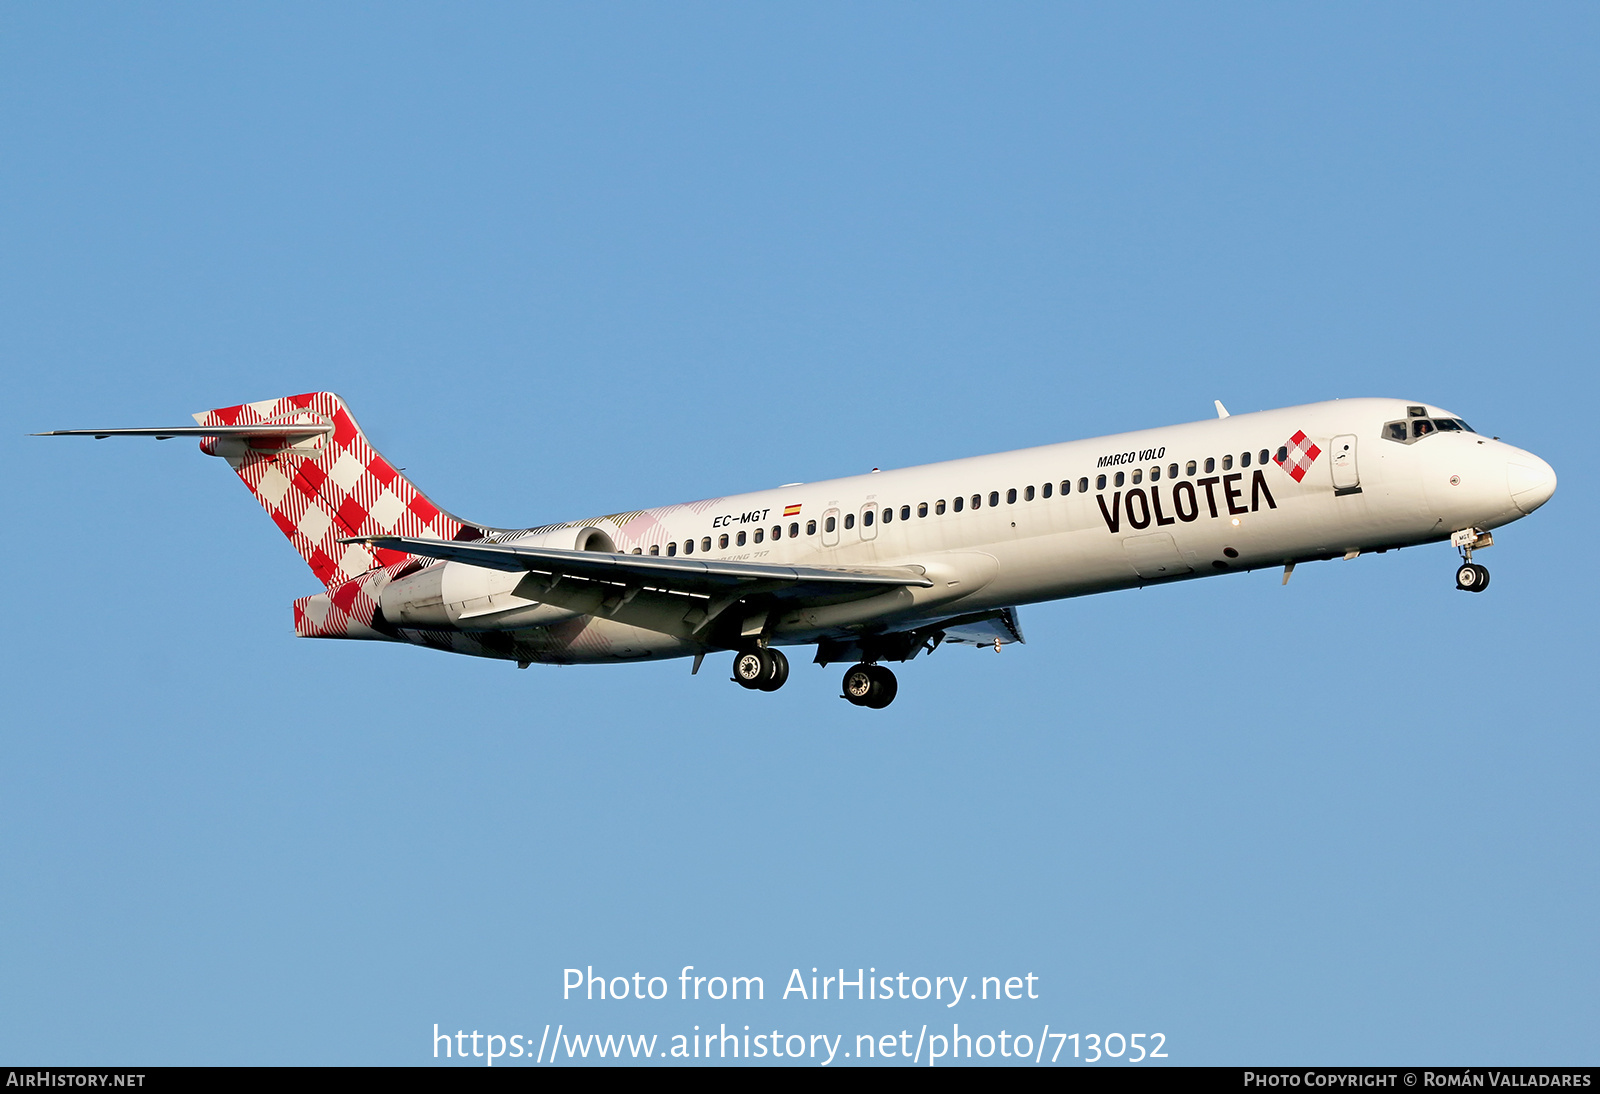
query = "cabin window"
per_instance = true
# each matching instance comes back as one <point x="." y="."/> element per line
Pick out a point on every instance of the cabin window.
<point x="832" y="524"/>
<point x="1083" y="485"/>
<point x="938" y="507"/>
<point x="655" y="548"/>
<point x="1283" y="454"/>
<point x="1044" y="491"/>
<point x="905" y="511"/>
<point x="688" y="546"/>
<point x="1138" y="476"/>
<point x="722" y="541"/>
<point x="638" y="550"/>
<point x="994" y="497"/>
<point x="705" y="542"/>
<point x="777" y="531"/>
<point x="1227" y="463"/>
<point x="672" y="550"/>
<point x="1188" y="468"/>
<point x="960" y="503"/>
<point x="1100" y="482"/>
<point x="794" y="529"/>
<point x="866" y="517"/>
<point x="888" y="514"/>
<point x="922" y="509"/>
<point x="1266" y="455"/>
<point x="1244" y="460"/>
<point x="760" y="534"/>
<point x="1172" y="471"/>
<point x="1011" y="496"/>
<point x="811" y="526"/>
<point x="1211" y="465"/>
<point x="977" y="501"/>
<point x="1027" y="495"/>
<point x="849" y="520"/>
<point x="740" y="540"/>
<point x="1155" y="473"/>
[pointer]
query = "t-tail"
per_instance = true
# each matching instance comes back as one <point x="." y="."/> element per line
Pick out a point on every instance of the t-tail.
<point x="312" y="469"/>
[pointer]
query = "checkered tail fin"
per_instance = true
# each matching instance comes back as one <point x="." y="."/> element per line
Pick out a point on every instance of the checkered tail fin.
<point x="321" y="481"/>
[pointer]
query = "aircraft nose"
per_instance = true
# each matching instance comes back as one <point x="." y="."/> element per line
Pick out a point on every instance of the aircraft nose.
<point x="1531" y="481"/>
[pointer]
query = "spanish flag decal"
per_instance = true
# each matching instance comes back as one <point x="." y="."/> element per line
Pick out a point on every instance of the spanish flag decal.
<point x="791" y="510"/>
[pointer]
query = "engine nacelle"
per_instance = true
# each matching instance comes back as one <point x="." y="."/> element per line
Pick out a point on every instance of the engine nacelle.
<point x="475" y="598"/>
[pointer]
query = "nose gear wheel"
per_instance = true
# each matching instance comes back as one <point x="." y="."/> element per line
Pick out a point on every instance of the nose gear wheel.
<point x="1472" y="577"/>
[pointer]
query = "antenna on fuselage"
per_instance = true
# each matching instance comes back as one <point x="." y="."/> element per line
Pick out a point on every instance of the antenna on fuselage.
<point x="1222" y="411"/>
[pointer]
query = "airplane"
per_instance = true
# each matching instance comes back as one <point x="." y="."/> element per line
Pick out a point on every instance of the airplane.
<point x="873" y="568"/>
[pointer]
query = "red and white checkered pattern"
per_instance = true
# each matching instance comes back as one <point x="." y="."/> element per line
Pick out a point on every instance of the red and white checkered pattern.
<point x="340" y="489"/>
<point x="347" y="610"/>
<point x="1302" y="454"/>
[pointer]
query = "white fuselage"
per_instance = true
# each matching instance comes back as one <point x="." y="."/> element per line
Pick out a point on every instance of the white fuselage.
<point x="1027" y="530"/>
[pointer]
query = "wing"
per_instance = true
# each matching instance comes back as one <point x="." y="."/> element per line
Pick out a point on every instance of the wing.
<point x="983" y="628"/>
<point x="686" y="597"/>
<point x="995" y="627"/>
<point x="679" y="575"/>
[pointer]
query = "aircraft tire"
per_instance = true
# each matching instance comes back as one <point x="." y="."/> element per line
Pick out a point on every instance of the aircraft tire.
<point x="752" y="669"/>
<point x="1472" y="578"/>
<point x="887" y="687"/>
<point x="860" y="685"/>
<point x="780" y="671"/>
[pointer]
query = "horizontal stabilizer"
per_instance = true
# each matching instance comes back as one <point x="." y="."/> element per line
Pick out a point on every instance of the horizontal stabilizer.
<point x="685" y="575"/>
<point x="241" y="432"/>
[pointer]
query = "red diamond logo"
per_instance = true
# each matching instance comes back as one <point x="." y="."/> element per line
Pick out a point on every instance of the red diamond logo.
<point x="1298" y="455"/>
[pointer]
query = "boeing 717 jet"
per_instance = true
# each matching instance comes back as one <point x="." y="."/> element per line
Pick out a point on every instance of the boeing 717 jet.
<point x="869" y="569"/>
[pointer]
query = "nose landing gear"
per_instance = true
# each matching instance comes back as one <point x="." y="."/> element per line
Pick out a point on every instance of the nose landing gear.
<point x="1470" y="576"/>
<point x="870" y="686"/>
<point x="760" y="669"/>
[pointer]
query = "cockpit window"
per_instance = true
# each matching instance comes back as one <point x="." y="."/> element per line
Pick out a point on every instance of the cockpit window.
<point x="1414" y="429"/>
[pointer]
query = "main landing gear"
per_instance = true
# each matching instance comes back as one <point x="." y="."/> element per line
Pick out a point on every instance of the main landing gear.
<point x="760" y="669"/>
<point x="766" y="670"/>
<point x="1470" y="576"/>
<point x="870" y="686"/>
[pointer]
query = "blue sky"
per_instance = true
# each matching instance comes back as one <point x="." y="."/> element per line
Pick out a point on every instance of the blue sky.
<point x="579" y="259"/>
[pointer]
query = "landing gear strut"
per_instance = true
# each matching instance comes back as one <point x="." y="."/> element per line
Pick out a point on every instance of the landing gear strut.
<point x="1470" y="576"/>
<point x="760" y="670"/>
<point x="870" y="686"/>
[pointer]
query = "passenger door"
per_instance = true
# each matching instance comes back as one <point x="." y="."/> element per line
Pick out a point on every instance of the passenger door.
<point x="1346" y="478"/>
